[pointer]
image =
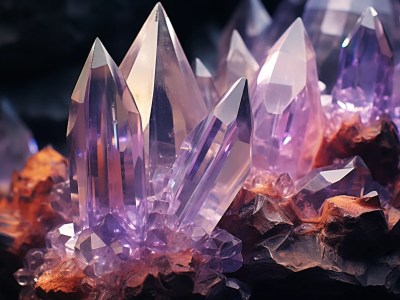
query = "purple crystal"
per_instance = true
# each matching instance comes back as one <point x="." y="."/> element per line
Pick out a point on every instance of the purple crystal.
<point x="237" y="63"/>
<point x="286" y="106"/>
<point x="214" y="162"/>
<point x="162" y="82"/>
<point x="16" y="144"/>
<point x="350" y="178"/>
<point x="328" y="21"/>
<point x="105" y="142"/>
<point x="252" y="21"/>
<point x="206" y="84"/>
<point x="364" y="84"/>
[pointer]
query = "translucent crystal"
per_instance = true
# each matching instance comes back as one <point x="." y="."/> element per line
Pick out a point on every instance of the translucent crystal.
<point x="214" y="162"/>
<point x="105" y="142"/>
<point x="366" y="69"/>
<point x="286" y="106"/>
<point x="237" y="63"/>
<point x="16" y="144"/>
<point x="329" y="21"/>
<point x="206" y="84"/>
<point x="162" y="82"/>
<point x="252" y="21"/>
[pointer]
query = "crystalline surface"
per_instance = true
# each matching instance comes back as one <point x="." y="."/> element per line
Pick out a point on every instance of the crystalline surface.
<point x="366" y="68"/>
<point x="286" y="106"/>
<point x="206" y="84"/>
<point x="238" y="62"/>
<point x="106" y="143"/>
<point x="165" y="90"/>
<point x="252" y="21"/>
<point x="213" y="162"/>
<point x="351" y="178"/>
<point x="329" y="21"/>
<point x="16" y="144"/>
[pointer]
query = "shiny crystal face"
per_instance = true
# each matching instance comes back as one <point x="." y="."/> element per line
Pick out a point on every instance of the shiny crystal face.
<point x="366" y="69"/>
<point x="285" y="98"/>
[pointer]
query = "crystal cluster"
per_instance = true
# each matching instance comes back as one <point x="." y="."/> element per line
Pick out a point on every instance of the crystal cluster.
<point x="285" y="160"/>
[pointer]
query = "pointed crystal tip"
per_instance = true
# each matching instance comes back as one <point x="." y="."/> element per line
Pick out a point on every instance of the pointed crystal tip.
<point x="368" y="17"/>
<point x="99" y="57"/>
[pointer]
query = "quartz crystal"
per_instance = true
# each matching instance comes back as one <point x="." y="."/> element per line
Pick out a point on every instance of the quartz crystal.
<point x="252" y="21"/>
<point x="206" y="84"/>
<point x="239" y="62"/>
<point x="286" y="106"/>
<point x="366" y="69"/>
<point x="165" y="90"/>
<point x="329" y="21"/>
<point x="105" y="141"/>
<point x="351" y="178"/>
<point x="214" y="161"/>
<point x="16" y="144"/>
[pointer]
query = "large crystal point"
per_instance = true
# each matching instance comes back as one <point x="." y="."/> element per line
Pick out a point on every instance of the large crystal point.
<point x="252" y="21"/>
<point x="329" y="21"/>
<point x="206" y="84"/>
<point x="16" y="144"/>
<point x="351" y="178"/>
<point x="214" y="162"/>
<point x="165" y="89"/>
<point x="239" y="62"/>
<point x="105" y="142"/>
<point x="286" y="106"/>
<point x="366" y="68"/>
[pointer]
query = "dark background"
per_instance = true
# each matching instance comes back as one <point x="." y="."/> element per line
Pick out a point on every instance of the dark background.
<point x="44" y="44"/>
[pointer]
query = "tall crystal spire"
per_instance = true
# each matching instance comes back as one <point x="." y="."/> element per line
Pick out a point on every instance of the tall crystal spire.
<point x="237" y="63"/>
<point x="206" y="83"/>
<point x="162" y="82"/>
<point x="329" y="21"/>
<point x="286" y="106"/>
<point x="214" y="161"/>
<point x="252" y="21"/>
<point x="105" y="143"/>
<point x="366" y="68"/>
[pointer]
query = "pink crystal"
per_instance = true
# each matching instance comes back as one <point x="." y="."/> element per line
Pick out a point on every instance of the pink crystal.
<point x="286" y="106"/>
<point x="252" y="21"/>
<point x="329" y="21"/>
<point x="213" y="162"/>
<point x="237" y="63"/>
<point x="162" y="82"/>
<point x="366" y="69"/>
<point x="206" y="84"/>
<point x="105" y="142"/>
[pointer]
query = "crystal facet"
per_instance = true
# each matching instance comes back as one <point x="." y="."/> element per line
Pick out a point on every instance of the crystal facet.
<point x="16" y="144"/>
<point x="252" y="21"/>
<point x="213" y="162"/>
<point x="206" y="84"/>
<point x="329" y="21"/>
<point x="106" y="143"/>
<point x="366" y="69"/>
<point x="239" y="62"/>
<point x="286" y="106"/>
<point x="162" y="82"/>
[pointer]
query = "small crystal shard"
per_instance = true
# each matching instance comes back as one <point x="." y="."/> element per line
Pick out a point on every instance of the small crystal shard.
<point x="162" y="82"/>
<point x="206" y="84"/>
<point x="106" y="143"/>
<point x="364" y="84"/>
<point x="213" y="162"/>
<point x="286" y="106"/>
<point x="252" y="21"/>
<point x="237" y="63"/>
<point x="351" y="178"/>
<point x="329" y="21"/>
<point x="16" y="144"/>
